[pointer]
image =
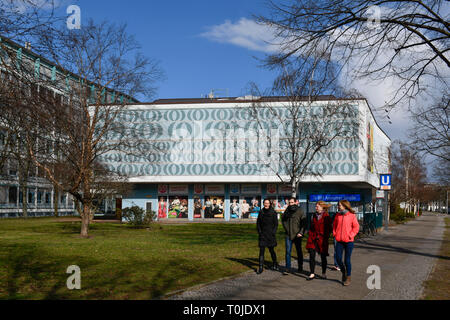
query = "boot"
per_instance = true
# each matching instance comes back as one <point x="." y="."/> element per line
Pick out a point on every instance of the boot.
<point x="348" y="280"/>
<point x="344" y="276"/>
<point x="260" y="270"/>
<point x="275" y="266"/>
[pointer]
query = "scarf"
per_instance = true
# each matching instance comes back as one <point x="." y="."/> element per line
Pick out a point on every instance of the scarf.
<point x="290" y="210"/>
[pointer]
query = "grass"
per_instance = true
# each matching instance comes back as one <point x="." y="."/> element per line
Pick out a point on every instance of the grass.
<point x="437" y="287"/>
<point x="119" y="262"/>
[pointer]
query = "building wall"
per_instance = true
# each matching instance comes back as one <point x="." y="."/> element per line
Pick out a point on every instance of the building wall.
<point x="202" y="142"/>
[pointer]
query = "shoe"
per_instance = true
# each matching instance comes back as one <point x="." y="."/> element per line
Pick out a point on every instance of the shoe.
<point x="275" y="267"/>
<point x="260" y="270"/>
<point x="285" y="272"/>
<point x="323" y="276"/>
<point x="311" y="277"/>
<point x="335" y="268"/>
<point x="300" y="270"/>
<point x="348" y="280"/>
<point x="344" y="276"/>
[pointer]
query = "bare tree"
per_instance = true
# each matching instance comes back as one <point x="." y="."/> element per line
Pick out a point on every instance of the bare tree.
<point x="407" y="41"/>
<point x="104" y="70"/>
<point x="306" y="123"/>
<point x="431" y="130"/>
<point x="408" y="176"/>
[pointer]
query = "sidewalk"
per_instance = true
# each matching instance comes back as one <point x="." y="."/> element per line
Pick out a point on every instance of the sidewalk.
<point x="405" y="254"/>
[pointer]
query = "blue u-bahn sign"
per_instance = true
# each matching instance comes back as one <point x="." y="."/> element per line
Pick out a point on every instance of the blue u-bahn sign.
<point x="385" y="181"/>
<point x="334" y="197"/>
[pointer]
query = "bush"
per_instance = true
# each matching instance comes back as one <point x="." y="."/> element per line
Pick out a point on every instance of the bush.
<point x="397" y="213"/>
<point x="137" y="217"/>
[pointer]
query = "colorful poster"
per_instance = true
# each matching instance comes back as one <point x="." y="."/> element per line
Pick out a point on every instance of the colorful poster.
<point x="271" y="188"/>
<point x="162" y="188"/>
<point x="198" y="189"/>
<point x="234" y="188"/>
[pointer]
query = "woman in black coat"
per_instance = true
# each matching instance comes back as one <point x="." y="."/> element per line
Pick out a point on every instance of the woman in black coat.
<point x="267" y="224"/>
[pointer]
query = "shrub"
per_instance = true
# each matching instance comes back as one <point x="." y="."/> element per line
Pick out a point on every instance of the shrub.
<point x="397" y="213"/>
<point x="136" y="216"/>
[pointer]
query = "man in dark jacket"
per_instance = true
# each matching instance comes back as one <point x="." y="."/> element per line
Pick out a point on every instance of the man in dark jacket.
<point x="294" y="224"/>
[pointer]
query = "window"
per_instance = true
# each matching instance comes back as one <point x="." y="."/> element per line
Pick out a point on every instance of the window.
<point x="3" y="195"/>
<point x="12" y="195"/>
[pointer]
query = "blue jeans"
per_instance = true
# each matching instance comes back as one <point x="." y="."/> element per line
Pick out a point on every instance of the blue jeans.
<point x="335" y="259"/>
<point x="298" y="246"/>
<point x="347" y="248"/>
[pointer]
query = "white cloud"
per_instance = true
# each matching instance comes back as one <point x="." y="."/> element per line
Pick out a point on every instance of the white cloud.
<point x="248" y="34"/>
<point x="244" y="33"/>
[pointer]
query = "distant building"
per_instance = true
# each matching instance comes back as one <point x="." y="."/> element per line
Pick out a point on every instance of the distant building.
<point x="39" y="195"/>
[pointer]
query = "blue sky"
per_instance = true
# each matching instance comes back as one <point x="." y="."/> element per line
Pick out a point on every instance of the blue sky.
<point x="213" y="44"/>
<point x="171" y="32"/>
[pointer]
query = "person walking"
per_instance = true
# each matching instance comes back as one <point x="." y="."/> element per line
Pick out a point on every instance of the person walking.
<point x="318" y="236"/>
<point x="267" y="224"/>
<point x="335" y="266"/>
<point x="345" y="228"/>
<point x="294" y="224"/>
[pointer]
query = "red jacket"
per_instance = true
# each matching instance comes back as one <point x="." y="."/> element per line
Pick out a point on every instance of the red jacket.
<point x="319" y="233"/>
<point x="345" y="227"/>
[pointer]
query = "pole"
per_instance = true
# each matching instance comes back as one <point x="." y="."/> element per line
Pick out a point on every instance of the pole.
<point x="385" y="205"/>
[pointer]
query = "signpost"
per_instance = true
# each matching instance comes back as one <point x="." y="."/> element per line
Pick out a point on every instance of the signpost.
<point x="386" y="185"/>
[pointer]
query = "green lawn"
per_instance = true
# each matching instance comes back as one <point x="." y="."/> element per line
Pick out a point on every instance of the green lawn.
<point x="119" y="262"/>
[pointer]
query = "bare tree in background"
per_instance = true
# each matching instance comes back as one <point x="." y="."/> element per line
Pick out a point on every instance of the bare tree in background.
<point x="408" y="176"/>
<point x="26" y="20"/>
<point x="307" y="124"/>
<point x="104" y="70"/>
<point x="407" y="41"/>
<point x="431" y="131"/>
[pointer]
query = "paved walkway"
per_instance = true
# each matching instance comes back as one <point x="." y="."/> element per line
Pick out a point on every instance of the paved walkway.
<point x="405" y="254"/>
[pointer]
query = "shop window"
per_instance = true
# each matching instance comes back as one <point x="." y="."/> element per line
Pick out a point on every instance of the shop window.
<point x="198" y="207"/>
<point x="255" y="207"/>
<point x="178" y="207"/>
<point x="162" y="208"/>
<point x="235" y="208"/>
<point x="214" y="207"/>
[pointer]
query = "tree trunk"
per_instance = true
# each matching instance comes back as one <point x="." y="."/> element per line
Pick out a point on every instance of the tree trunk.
<point x="24" y="188"/>
<point x="55" y="200"/>
<point x="85" y="219"/>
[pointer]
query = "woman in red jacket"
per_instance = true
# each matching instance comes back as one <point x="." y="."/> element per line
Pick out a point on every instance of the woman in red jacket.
<point x="318" y="236"/>
<point x="345" y="228"/>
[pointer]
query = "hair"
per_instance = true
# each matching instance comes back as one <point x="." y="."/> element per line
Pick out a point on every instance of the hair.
<point x="347" y="205"/>
<point x="267" y="200"/>
<point x="292" y="198"/>
<point x="324" y="205"/>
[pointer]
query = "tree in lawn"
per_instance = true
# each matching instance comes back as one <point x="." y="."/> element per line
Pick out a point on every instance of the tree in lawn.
<point x="306" y="125"/>
<point x="376" y="40"/>
<point x="105" y="69"/>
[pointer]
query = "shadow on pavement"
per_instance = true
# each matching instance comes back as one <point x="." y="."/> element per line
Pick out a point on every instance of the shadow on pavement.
<point x="381" y="247"/>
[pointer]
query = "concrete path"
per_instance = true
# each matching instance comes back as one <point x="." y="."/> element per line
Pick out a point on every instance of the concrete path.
<point x="405" y="254"/>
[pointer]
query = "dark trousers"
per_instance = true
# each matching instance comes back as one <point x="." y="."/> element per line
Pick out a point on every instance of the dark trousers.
<point x="347" y="248"/>
<point x="298" y="246"/>
<point x="312" y="261"/>
<point x="261" y="255"/>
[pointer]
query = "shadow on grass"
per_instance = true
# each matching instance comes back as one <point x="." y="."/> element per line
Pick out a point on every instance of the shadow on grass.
<point x="30" y="270"/>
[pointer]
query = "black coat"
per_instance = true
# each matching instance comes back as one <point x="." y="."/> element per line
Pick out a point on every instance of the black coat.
<point x="267" y="224"/>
